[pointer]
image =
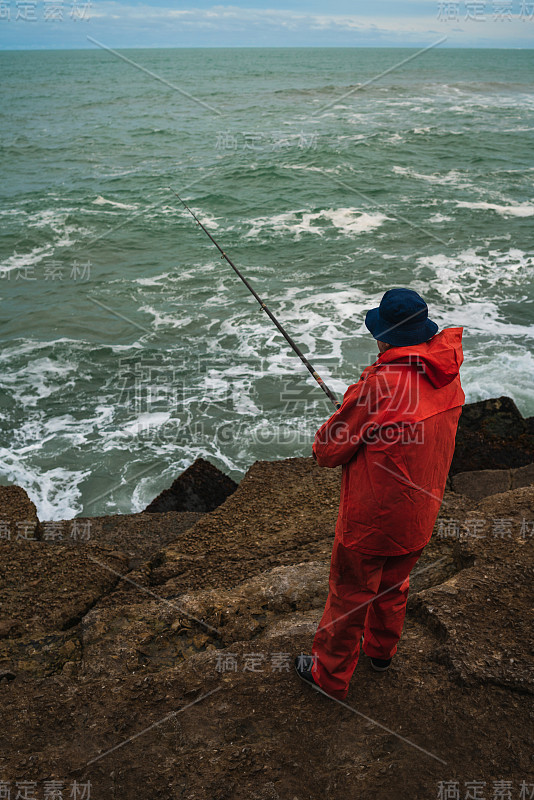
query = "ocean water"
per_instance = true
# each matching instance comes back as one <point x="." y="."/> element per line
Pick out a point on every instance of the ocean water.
<point x="129" y="348"/>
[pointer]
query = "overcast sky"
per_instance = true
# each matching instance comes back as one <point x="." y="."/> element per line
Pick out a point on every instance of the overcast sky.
<point x="266" y="23"/>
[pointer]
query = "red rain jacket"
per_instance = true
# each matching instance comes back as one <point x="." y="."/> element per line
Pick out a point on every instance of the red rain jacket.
<point x="394" y="435"/>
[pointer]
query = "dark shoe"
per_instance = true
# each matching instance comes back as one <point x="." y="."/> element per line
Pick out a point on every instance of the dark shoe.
<point x="303" y="668"/>
<point x="380" y="664"/>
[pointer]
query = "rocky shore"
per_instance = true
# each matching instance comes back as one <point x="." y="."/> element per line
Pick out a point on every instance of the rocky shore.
<point x="150" y="655"/>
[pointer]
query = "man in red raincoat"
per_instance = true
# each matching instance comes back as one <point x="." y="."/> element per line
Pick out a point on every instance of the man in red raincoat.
<point x="394" y="436"/>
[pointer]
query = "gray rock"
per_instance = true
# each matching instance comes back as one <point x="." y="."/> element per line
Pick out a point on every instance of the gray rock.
<point x="200" y="488"/>
<point x="523" y="476"/>
<point x="482" y="483"/>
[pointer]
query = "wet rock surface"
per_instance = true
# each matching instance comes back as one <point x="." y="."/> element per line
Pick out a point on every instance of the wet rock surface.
<point x="483" y="483"/>
<point x="484" y="613"/>
<point x="154" y="658"/>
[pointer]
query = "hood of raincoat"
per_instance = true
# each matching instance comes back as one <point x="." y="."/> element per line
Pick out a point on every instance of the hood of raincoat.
<point x="439" y="359"/>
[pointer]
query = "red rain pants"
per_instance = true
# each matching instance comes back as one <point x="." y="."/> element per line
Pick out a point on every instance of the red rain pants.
<point x="367" y="594"/>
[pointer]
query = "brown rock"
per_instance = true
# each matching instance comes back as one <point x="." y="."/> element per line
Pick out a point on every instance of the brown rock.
<point x="492" y="434"/>
<point x="69" y="583"/>
<point x="484" y="613"/>
<point x="132" y="693"/>
<point x="18" y="516"/>
<point x="132" y="537"/>
<point x="9" y="627"/>
<point x="523" y="476"/>
<point x="481" y="483"/>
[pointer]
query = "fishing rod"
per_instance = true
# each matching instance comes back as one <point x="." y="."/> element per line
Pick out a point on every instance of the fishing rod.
<point x="331" y="396"/>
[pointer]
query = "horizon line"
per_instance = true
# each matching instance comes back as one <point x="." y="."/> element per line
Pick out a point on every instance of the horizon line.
<point x="40" y="49"/>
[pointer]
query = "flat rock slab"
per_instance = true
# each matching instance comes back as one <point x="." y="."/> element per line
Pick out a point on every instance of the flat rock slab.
<point x="136" y="536"/>
<point x="484" y="614"/>
<point x="523" y="476"/>
<point x="48" y="587"/>
<point x="283" y="512"/>
<point x="164" y="631"/>
<point x="45" y="590"/>
<point x="483" y="483"/>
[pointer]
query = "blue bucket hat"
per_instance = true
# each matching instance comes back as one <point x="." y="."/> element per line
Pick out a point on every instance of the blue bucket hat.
<point x="401" y="319"/>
